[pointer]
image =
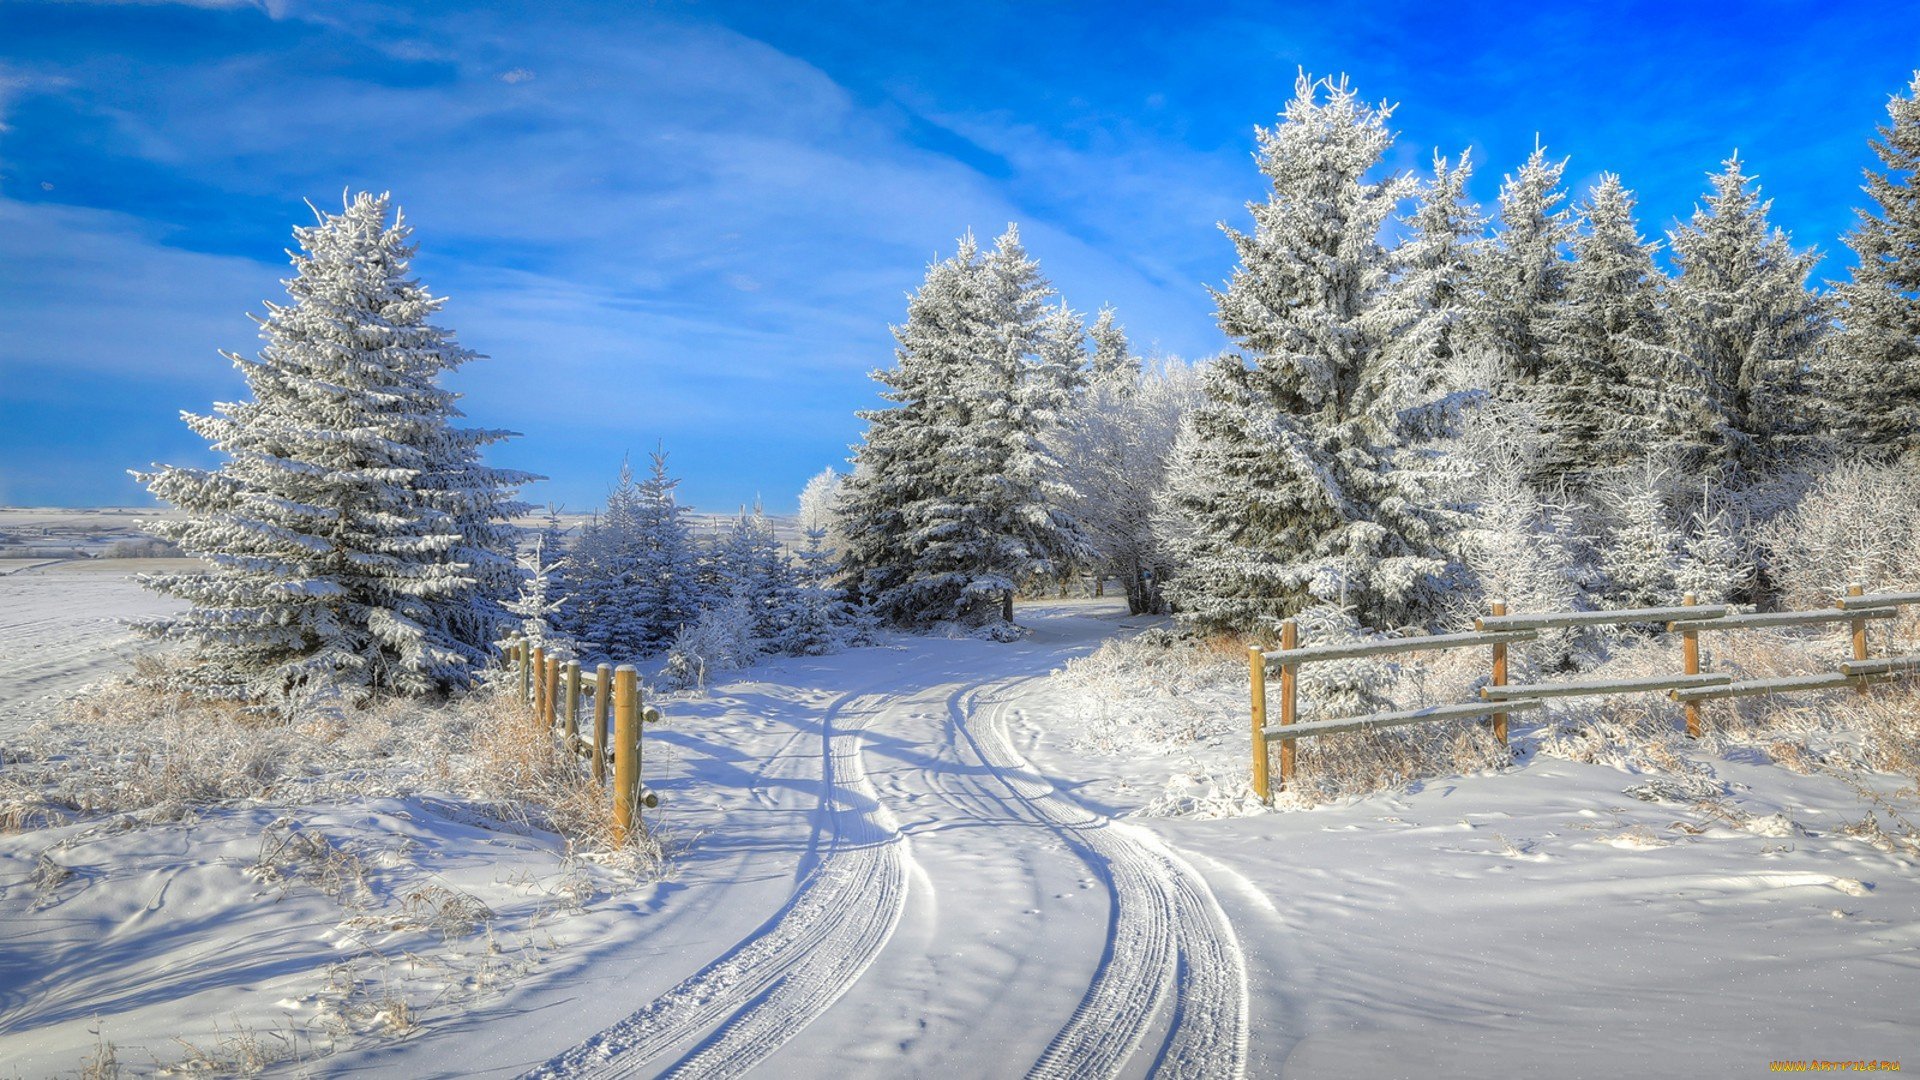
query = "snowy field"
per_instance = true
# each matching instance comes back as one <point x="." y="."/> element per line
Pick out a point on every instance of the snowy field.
<point x="62" y="622"/>
<point x="901" y="861"/>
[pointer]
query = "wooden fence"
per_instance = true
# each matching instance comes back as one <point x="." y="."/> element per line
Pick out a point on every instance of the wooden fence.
<point x="555" y="690"/>
<point x="1498" y="630"/>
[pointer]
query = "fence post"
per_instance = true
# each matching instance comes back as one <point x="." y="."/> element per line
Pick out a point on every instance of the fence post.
<point x="570" y="724"/>
<point x="539" y="680"/>
<point x="602" y="709"/>
<point x="552" y="710"/>
<point x="1496" y="608"/>
<point x="1859" y="636"/>
<point x="1257" y="669"/>
<point x="526" y="673"/>
<point x="626" y="751"/>
<point x="1690" y="652"/>
<point x="1289" y="697"/>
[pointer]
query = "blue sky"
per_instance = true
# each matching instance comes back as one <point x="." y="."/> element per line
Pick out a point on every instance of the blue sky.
<point x="692" y="224"/>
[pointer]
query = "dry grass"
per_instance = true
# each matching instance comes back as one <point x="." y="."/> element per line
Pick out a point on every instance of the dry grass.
<point x="124" y="750"/>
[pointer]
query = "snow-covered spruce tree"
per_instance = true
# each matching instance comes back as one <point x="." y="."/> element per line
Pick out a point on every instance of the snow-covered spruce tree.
<point x="540" y="608"/>
<point x="1642" y="555"/>
<point x="1113" y="362"/>
<point x="1291" y="494"/>
<point x="819" y="619"/>
<point x="1431" y="294"/>
<point x="1879" y="391"/>
<point x="1614" y="389"/>
<point x="1115" y="447"/>
<point x="1520" y="277"/>
<point x="747" y="565"/>
<point x="635" y="569"/>
<point x="1716" y="564"/>
<point x="1522" y="549"/>
<point x="1741" y="311"/>
<point x="352" y="537"/>
<point x="953" y="501"/>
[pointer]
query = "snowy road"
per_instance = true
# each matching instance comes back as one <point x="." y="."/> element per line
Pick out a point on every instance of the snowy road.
<point x="955" y="905"/>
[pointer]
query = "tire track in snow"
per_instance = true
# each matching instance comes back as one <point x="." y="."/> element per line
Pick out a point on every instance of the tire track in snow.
<point x="798" y="963"/>
<point x="1169" y="942"/>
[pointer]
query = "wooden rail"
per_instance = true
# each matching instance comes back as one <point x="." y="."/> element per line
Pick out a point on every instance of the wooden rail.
<point x="554" y="691"/>
<point x="1497" y="630"/>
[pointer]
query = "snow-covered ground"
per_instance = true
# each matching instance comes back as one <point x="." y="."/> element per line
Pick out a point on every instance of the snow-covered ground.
<point x="899" y="861"/>
<point x="63" y="626"/>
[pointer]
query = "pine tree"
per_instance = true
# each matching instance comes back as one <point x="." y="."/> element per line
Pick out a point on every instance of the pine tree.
<point x="1521" y="278"/>
<point x="747" y="565"/>
<point x="1880" y="378"/>
<point x="635" y="569"/>
<point x="1642" y="557"/>
<point x="1614" y="389"/>
<point x="819" y="618"/>
<point x="1292" y="494"/>
<point x="1742" y="313"/>
<point x="1059" y="369"/>
<point x="1113" y="362"/>
<point x="952" y="503"/>
<point x="353" y="535"/>
<point x="541" y="604"/>
<point x="1432" y="294"/>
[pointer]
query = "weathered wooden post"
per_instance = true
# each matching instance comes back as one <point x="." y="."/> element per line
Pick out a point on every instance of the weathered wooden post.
<point x="602" y="707"/>
<point x="1257" y="669"/>
<point x="570" y="723"/>
<point x="1497" y="608"/>
<point x="1859" y="636"/>
<point x="1289" y="697"/>
<point x="539" y="680"/>
<point x="552" y="708"/>
<point x="1690" y="653"/>
<point x="526" y="673"/>
<point x="626" y="752"/>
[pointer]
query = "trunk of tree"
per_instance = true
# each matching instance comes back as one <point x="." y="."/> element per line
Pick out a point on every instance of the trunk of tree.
<point x="1006" y="606"/>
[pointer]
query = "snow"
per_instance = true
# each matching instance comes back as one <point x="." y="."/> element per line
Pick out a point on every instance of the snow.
<point x="906" y="860"/>
<point x="62" y="625"/>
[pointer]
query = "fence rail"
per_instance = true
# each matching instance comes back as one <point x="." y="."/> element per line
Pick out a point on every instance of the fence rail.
<point x="555" y="690"/>
<point x="1497" y="630"/>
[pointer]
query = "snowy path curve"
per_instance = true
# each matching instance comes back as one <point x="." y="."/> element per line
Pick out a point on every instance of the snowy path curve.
<point x="1167" y="997"/>
<point x="797" y="964"/>
<point x="1169" y="944"/>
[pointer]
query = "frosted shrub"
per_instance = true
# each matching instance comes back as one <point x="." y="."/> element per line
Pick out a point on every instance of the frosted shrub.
<point x="721" y="639"/>
<point x="1857" y="521"/>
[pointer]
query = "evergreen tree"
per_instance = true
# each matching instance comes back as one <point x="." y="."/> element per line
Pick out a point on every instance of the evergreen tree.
<point x="1615" y="390"/>
<point x="541" y="604"/>
<point x="635" y="569"/>
<point x="747" y="565"/>
<point x="1521" y="278"/>
<point x="952" y="501"/>
<point x="1432" y="294"/>
<point x="1880" y="379"/>
<point x="1292" y="494"/>
<point x="1642" y="557"/>
<point x="1059" y="370"/>
<point x="1113" y="362"/>
<point x="819" y="619"/>
<point x="1742" y="313"/>
<point x="353" y="534"/>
